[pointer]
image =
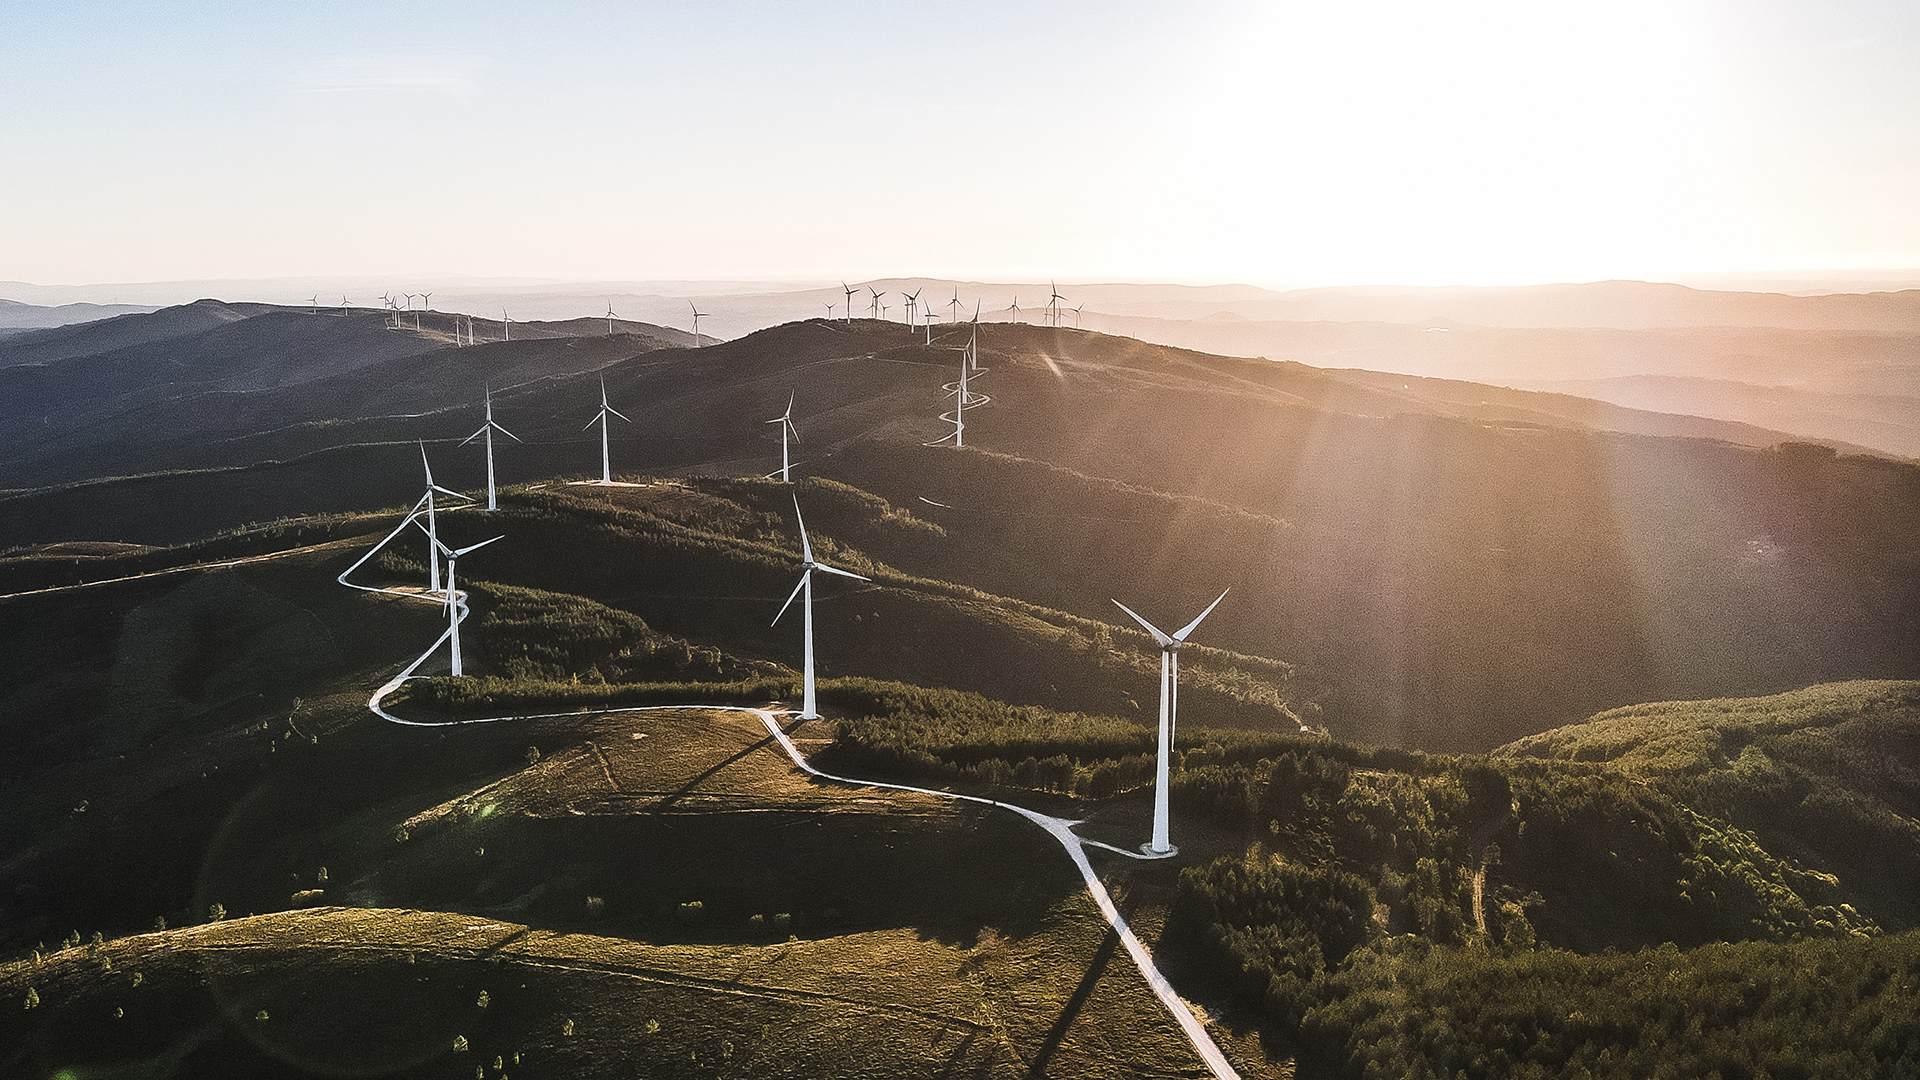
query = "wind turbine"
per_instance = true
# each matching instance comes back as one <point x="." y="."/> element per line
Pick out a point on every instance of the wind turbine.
<point x="873" y="309"/>
<point x="1169" y="704"/>
<point x="506" y="325"/>
<point x="913" y="300"/>
<point x="1015" y="307"/>
<point x="785" y="420"/>
<point x="953" y="306"/>
<point x="487" y="429"/>
<point x="829" y="308"/>
<point x="697" y="316"/>
<point x="609" y="327"/>
<point x="343" y="305"/>
<point x="962" y="399"/>
<point x="1076" y="313"/>
<point x="807" y="567"/>
<point x="316" y="303"/>
<point x="1053" y="302"/>
<point x="453" y="604"/>
<point x="433" y="534"/>
<point x="426" y="301"/>
<point x="606" y="469"/>
<point x="849" y="292"/>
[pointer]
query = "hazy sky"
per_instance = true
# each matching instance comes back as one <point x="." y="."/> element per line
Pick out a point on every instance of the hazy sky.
<point x="1276" y="143"/>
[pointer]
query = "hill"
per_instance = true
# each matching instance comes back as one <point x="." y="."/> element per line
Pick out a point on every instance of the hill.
<point x="15" y="315"/>
<point x="1452" y="567"/>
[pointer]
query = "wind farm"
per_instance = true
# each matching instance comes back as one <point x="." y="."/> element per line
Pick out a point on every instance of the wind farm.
<point x="1233" y="541"/>
<point x="960" y="667"/>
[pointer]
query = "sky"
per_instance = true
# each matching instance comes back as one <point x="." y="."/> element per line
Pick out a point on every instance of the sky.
<point x="1274" y="143"/>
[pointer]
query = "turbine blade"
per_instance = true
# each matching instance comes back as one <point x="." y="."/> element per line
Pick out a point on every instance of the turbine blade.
<point x="475" y="435"/>
<point x="1163" y="639"/>
<point x="476" y="547"/>
<point x="505" y="432"/>
<point x="806" y="549"/>
<point x="455" y="494"/>
<point x="836" y="570"/>
<point x="618" y="413"/>
<point x="595" y="420"/>
<point x="790" y="596"/>
<point x="1188" y="629"/>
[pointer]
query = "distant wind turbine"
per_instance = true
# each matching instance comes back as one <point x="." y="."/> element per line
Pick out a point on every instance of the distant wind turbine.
<point x="953" y="307"/>
<point x="486" y="430"/>
<point x="913" y="301"/>
<point x="609" y="324"/>
<point x="963" y="399"/>
<point x="316" y="303"/>
<point x="829" y="308"/>
<point x="785" y="420"/>
<point x="807" y="567"/>
<point x="606" y="468"/>
<point x="1169" y="704"/>
<point x="506" y="325"/>
<point x="1053" y="303"/>
<point x="849" y="292"/>
<point x="453" y="603"/>
<point x="697" y="316"/>
<point x="343" y="305"/>
<point x="873" y="310"/>
<point x="1076" y="313"/>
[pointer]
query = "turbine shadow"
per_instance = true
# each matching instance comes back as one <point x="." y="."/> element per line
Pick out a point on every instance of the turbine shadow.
<point x="1095" y="970"/>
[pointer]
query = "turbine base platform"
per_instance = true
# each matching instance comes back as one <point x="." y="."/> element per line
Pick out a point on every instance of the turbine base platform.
<point x="1147" y="850"/>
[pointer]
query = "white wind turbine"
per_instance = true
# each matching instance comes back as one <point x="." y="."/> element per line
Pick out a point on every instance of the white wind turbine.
<point x="785" y="420"/>
<point x="316" y="303"/>
<point x="606" y="469"/>
<point x="487" y="429"/>
<point x="343" y="305"/>
<point x="1169" y="706"/>
<point x="506" y="325"/>
<point x="1015" y="307"/>
<point x="1053" y="304"/>
<point x="850" y="293"/>
<point x="609" y="334"/>
<point x="953" y="307"/>
<point x="432" y="527"/>
<point x="829" y="308"/>
<point x="913" y="301"/>
<point x="1076" y="313"/>
<point x="963" y="399"/>
<point x="873" y="309"/>
<point x="697" y="316"/>
<point x="453" y="602"/>
<point x="807" y="567"/>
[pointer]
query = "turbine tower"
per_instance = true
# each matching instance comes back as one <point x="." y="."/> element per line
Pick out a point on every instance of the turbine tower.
<point x="807" y="567"/>
<point x="606" y="469"/>
<point x="1169" y="704"/>
<point x="506" y="325"/>
<point x="849" y="292"/>
<point x="453" y="604"/>
<point x="785" y="420"/>
<point x="487" y="429"/>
